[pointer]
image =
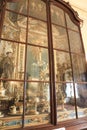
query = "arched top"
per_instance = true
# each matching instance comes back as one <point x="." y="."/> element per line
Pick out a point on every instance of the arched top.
<point x="66" y="5"/>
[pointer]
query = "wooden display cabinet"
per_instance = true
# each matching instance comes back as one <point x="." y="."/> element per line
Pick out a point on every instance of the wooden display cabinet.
<point x="43" y="75"/>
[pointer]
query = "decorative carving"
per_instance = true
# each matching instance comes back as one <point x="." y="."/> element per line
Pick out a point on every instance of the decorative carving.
<point x="67" y="5"/>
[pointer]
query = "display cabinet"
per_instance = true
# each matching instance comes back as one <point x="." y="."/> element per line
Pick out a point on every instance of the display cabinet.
<point x="43" y="74"/>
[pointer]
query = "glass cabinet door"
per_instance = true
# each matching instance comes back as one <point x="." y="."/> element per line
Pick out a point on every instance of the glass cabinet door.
<point x="65" y="101"/>
<point x="11" y="90"/>
<point x="69" y="66"/>
<point x="24" y="66"/>
<point x="38" y="87"/>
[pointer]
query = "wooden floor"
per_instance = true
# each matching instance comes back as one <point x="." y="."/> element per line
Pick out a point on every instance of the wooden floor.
<point x="78" y="127"/>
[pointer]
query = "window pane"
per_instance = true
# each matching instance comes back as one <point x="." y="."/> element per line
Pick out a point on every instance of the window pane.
<point x="37" y="9"/>
<point x="70" y="24"/>
<point x="65" y="102"/>
<point x="75" y="42"/>
<point x="82" y="99"/>
<point x="19" y="6"/>
<point x="14" y="27"/>
<point x="57" y="15"/>
<point x="37" y="32"/>
<point x="37" y="63"/>
<point x="63" y="71"/>
<point x="11" y="104"/>
<point x="60" y="40"/>
<point x="12" y="56"/>
<point x="79" y="68"/>
<point x="37" y="103"/>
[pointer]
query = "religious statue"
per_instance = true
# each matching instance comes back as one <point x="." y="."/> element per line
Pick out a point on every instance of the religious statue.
<point x="6" y="65"/>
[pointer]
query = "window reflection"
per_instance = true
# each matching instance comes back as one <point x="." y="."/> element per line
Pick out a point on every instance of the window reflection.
<point x="60" y="40"/>
<point x="37" y="63"/>
<point x="38" y="101"/>
<point x="37" y="32"/>
<point x="38" y="92"/>
<point x="57" y="15"/>
<point x="37" y="9"/>
<point x="12" y="56"/>
<point x="75" y="42"/>
<point x="65" y="101"/>
<point x="11" y="103"/>
<point x="19" y="6"/>
<point x="63" y="71"/>
<point x="82" y="99"/>
<point x="79" y="68"/>
<point x="14" y="27"/>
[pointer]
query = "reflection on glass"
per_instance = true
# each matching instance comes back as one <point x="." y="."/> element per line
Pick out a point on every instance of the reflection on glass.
<point x="12" y="56"/>
<point x="57" y="15"/>
<point x="37" y="9"/>
<point x="37" y="64"/>
<point x="19" y="6"/>
<point x="75" y="42"/>
<point x="60" y="40"/>
<point x="63" y="71"/>
<point x="38" y="102"/>
<point x="14" y="27"/>
<point x="37" y="32"/>
<point x="81" y="100"/>
<point x="79" y="68"/>
<point x="70" y="24"/>
<point x="65" y="102"/>
<point x="11" y="103"/>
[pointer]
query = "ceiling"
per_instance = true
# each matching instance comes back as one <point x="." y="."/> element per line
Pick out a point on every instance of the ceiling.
<point x="82" y="4"/>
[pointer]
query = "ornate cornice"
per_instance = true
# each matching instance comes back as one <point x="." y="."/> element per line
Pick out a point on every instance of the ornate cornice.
<point x="67" y="5"/>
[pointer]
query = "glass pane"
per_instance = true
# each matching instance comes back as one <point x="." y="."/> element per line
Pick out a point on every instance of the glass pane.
<point x="79" y="68"/>
<point x="57" y="15"/>
<point x="11" y="104"/>
<point x="75" y="42"/>
<point x="70" y="24"/>
<point x="63" y="71"/>
<point x="37" y="63"/>
<point x="19" y="6"/>
<point x="65" y="102"/>
<point x="12" y="56"/>
<point x="37" y="32"/>
<point x="37" y="103"/>
<point x="14" y="27"/>
<point x="60" y="40"/>
<point x="37" y="9"/>
<point x="82" y="99"/>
